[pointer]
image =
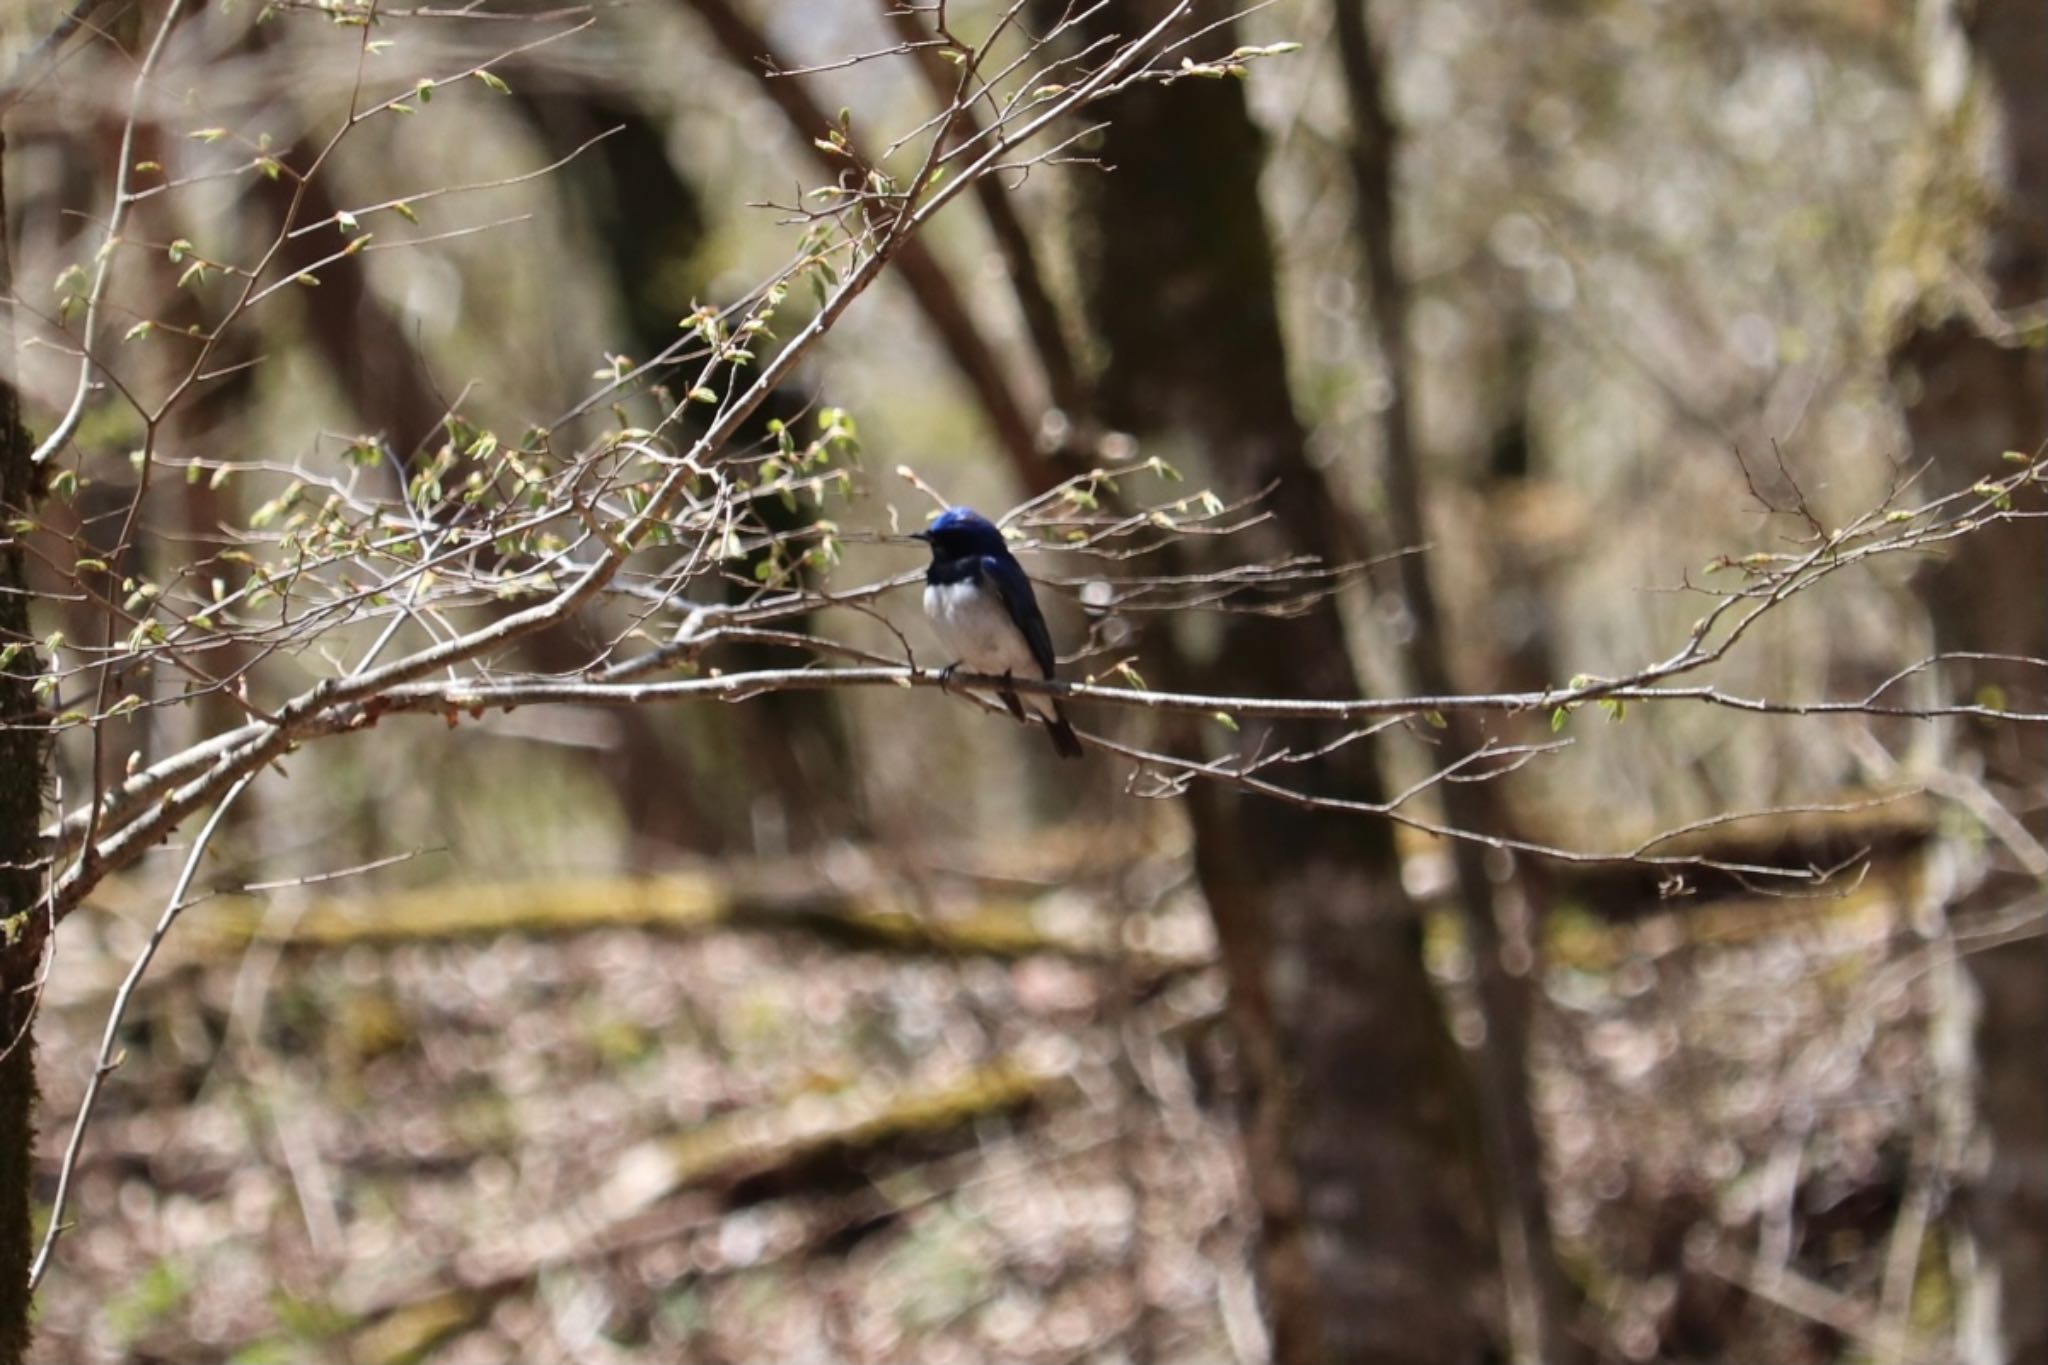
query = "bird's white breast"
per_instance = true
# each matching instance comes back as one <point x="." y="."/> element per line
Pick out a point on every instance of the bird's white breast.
<point x="973" y="623"/>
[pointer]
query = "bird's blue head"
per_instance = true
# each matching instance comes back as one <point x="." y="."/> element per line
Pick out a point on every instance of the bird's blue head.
<point x="961" y="533"/>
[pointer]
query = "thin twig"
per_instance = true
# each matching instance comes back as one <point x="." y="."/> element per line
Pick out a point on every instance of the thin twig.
<point x="108" y="1058"/>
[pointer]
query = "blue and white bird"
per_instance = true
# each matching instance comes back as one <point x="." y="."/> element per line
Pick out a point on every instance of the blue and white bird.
<point x="980" y="601"/>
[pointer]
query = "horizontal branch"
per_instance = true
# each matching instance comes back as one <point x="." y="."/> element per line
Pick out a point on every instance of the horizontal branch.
<point x="254" y="744"/>
<point x="476" y="696"/>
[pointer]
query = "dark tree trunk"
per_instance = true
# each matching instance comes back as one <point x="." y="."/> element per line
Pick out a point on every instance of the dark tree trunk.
<point x="1359" y="1129"/>
<point x="1970" y="394"/>
<point x="24" y="752"/>
<point x="1537" y="1297"/>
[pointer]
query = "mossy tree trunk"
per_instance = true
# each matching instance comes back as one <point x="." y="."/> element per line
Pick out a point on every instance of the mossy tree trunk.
<point x="23" y="751"/>
<point x="1975" y="231"/>
<point x="1359" y="1134"/>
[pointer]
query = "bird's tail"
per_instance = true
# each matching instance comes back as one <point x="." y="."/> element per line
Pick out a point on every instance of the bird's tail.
<point x="1063" y="737"/>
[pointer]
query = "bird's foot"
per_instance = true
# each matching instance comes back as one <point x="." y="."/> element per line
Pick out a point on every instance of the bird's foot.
<point x="946" y="676"/>
<point x="1008" y="692"/>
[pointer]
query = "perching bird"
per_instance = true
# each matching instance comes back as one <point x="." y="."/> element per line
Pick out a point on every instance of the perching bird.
<point x="981" y="603"/>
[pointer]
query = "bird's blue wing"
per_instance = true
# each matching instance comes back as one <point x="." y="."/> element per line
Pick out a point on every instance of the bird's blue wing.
<point x="1011" y="583"/>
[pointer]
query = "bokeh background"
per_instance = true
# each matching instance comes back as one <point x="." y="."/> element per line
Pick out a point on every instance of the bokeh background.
<point x="853" y="1026"/>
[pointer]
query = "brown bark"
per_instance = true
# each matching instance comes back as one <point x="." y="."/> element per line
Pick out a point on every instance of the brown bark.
<point x="1537" y="1293"/>
<point x="24" y="755"/>
<point x="1358" y="1125"/>
<point x="1971" y="391"/>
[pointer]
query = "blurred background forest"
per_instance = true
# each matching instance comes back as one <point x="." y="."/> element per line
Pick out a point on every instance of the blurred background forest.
<point x="851" y="1025"/>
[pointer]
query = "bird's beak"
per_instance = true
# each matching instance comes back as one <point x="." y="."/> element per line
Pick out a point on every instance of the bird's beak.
<point x="925" y="536"/>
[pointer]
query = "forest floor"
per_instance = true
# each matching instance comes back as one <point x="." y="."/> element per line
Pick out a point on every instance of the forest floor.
<point x="728" y="1137"/>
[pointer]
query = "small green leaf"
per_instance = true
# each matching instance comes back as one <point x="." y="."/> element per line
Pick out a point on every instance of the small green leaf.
<point x="494" y="81"/>
<point x="1558" y="718"/>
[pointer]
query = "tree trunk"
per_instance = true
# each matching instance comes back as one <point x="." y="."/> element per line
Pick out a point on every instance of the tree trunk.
<point x="23" y="928"/>
<point x="1972" y="390"/>
<point x="645" y="221"/>
<point x="1359" y="1130"/>
<point x="1536" y="1290"/>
